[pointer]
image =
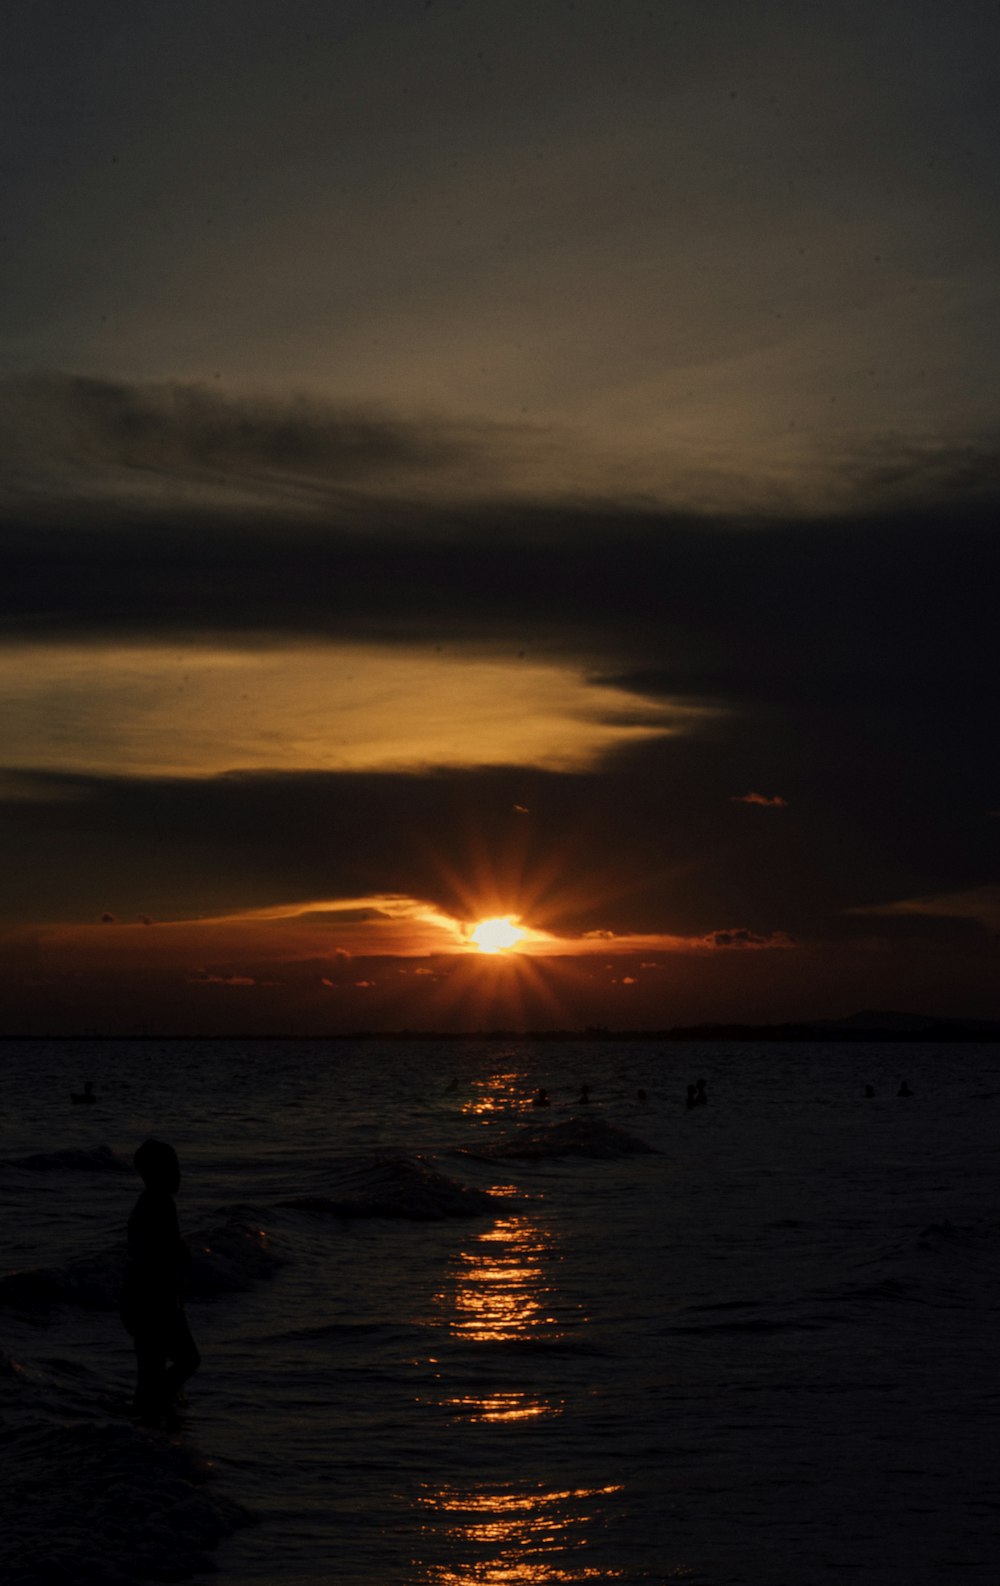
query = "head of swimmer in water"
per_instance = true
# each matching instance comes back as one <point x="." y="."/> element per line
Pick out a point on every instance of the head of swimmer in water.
<point x="158" y="1167"/>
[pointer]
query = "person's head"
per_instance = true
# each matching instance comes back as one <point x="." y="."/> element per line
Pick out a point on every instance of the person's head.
<point x="158" y="1167"/>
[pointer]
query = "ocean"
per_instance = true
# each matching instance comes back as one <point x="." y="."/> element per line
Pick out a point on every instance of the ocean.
<point x="453" y="1339"/>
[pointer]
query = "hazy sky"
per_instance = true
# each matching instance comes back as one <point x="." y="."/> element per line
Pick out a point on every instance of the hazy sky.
<point x="519" y="459"/>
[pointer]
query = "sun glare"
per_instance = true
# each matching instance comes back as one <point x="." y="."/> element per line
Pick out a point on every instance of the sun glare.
<point x="496" y="936"/>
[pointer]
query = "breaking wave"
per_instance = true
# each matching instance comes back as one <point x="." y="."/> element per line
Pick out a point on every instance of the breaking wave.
<point x="226" y="1258"/>
<point x="396" y="1186"/>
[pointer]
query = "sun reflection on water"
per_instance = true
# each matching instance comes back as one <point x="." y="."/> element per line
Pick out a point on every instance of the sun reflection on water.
<point x="501" y="1305"/>
<point x="520" y="1526"/>
<point x="506" y="1091"/>
<point x="499" y="1292"/>
<point x="508" y="1405"/>
<point x="502" y="1288"/>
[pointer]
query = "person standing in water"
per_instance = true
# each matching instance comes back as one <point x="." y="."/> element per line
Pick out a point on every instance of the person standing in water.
<point x="156" y="1271"/>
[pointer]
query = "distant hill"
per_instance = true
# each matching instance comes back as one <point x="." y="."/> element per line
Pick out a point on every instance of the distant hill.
<point x="869" y="1025"/>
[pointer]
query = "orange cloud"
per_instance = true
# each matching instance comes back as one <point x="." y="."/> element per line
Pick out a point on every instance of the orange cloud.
<point x="605" y="942"/>
<point x="775" y="803"/>
<point x="323" y="939"/>
<point x="203" y="978"/>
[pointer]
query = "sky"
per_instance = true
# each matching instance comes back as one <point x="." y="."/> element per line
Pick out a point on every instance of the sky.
<point x="469" y="461"/>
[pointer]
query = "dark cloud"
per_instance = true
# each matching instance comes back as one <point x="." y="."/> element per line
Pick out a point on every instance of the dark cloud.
<point x="125" y="446"/>
<point x="744" y="938"/>
<point x="70" y="437"/>
<point x="782" y="607"/>
<point x="912" y="470"/>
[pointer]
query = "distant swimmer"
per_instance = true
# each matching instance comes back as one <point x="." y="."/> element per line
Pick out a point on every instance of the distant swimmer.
<point x="904" y="1089"/>
<point x="584" y="1096"/>
<point x="86" y="1094"/>
<point x="157" y="1268"/>
<point x="869" y="1092"/>
<point x="690" y="1100"/>
<point x="700" y="1098"/>
<point x="640" y="1094"/>
<point x="540" y="1098"/>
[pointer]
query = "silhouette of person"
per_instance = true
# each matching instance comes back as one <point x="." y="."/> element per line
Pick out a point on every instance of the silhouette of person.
<point x="86" y="1094"/>
<point x="584" y="1096"/>
<point x="540" y="1098"/>
<point x="640" y="1095"/>
<point x="700" y="1098"/>
<point x="156" y="1271"/>
<point x="691" y="1099"/>
<point x="869" y="1092"/>
<point x="904" y="1089"/>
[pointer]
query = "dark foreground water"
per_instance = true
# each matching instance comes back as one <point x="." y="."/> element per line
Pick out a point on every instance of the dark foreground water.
<point x="439" y="1351"/>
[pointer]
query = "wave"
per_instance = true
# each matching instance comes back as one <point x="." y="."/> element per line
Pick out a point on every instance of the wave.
<point x="959" y="1236"/>
<point x="96" y="1501"/>
<point x="231" y="1256"/>
<point x="585" y="1137"/>
<point x="542" y="1344"/>
<point x="98" y="1159"/>
<point x="93" y="1281"/>
<point x="396" y="1186"/>
<point x="711" y="1329"/>
<point x="226" y="1258"/>
<point x="339" y="1332"/>
<point x="964" y="1252"/>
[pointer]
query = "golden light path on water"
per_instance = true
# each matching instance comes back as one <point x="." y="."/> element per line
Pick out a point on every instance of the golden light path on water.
<point x="523" y="1524"/>
<point x="501" y="1290"/>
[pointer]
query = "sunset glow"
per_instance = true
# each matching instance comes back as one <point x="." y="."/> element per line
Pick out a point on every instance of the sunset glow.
<point x="427" y="561"/>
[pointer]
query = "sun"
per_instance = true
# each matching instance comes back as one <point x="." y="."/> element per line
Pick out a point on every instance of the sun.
<point x="496" y="936"/>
